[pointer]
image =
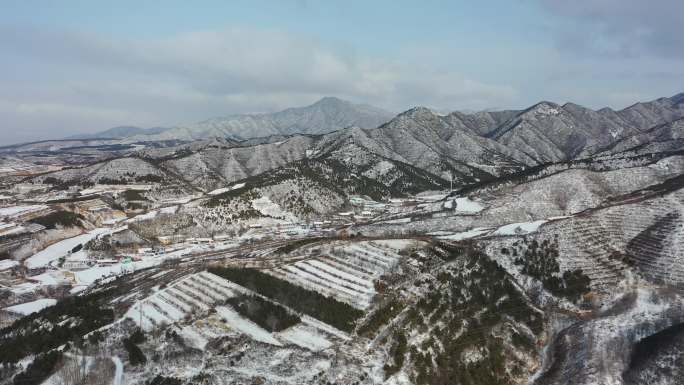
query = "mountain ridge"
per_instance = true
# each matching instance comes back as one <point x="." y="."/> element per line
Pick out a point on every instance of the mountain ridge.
<point x="326" y="115"/>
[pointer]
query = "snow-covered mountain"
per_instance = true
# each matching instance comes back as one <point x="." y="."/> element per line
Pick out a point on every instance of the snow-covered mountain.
<point x="120" y="132"/>
<point x="343" y="257"/>
<point x="326" y="115"/>
<point x="465" y="148"/>
<point x="549" y="132"/>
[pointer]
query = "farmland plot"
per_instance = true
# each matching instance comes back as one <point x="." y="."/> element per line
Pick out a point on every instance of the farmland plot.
<point x="190" y="298"/>
<point x="345" y="273"/>
<point x="181" y="300"/>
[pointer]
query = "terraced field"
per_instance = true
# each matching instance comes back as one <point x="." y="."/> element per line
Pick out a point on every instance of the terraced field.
<point x="183" y="299"/>
<point x="196" y="306"/>
<point x="346" y="273"/>
<point x="647" y="236"/>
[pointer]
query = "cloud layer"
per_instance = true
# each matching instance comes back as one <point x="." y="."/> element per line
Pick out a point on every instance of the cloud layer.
<point x="626" y="28"/>
<point x="57" y="82"/>
<point x="73" y="81"/>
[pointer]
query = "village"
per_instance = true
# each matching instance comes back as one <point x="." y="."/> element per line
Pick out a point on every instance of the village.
<point x="76" y="237"/>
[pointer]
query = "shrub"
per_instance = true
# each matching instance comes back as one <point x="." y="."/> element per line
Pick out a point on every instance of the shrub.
<point x="38" y="370"/>
<point x="135" y="355"/>
<point x="161" y="380"/>
<point x="380" y="317"/>
<point x="398" y="352"/>
<point x="338" y="314"/>
<point x="294" y="245"/>
<point x="42" y="331"/>
<point x="540" y="262"/>
<point x="61" y="217"/>
<point x="133" y="195"/>
<point x="268" y="315"/>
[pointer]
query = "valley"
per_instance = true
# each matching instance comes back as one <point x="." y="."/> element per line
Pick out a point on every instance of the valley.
<point x="540" y="246"/>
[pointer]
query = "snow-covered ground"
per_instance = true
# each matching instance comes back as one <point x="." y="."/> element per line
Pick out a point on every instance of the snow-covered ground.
<point x="31" y="307"/>
<point x="466" y="234"/>
<point x="226" y="189"/>
<point x="11" y="228"/>
<point x="193" y="338"/>
<point x="267" y="207"/>
<point x="62" y="248"/>
<point x="141" y="217"/>
<point x="345" y="271"/>
<point x="102" y="188"/>
<point x="245" y="326"/>
<point x="464" y="205"/>
<point x="12" y="211"/>
<point x="7" y="264"/>
<point x="118" y="370"/>
<point x="305" y="336"/>
<point x="168" y="210"/>
<point x="520" y="228"/>
<point x="50" y="278"/>
<point x="25" y="288"/>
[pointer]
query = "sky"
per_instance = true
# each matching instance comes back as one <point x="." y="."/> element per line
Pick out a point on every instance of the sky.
<point x="69" y="67"/>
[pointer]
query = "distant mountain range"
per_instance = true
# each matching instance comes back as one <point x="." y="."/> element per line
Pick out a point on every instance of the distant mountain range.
<point x="120" y="132"/>
<point x="417" y="144"/>
<point x="544" y="132"/>
<point x="326" y="115"/>
<point x="554" y="212"/>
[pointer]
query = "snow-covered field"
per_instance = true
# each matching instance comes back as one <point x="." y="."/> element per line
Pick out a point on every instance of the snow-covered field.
<point x="171" y="304"/>
<point x="226" y="189"/>
<point x="520" y="228"/>
<point x="245" y="326"/>
<point x="466" y="234"/>
<point x="13" y="211"/>
<point x="31" y="307"/>
<point x="141" y="217"/>
<point x="305" y="336"/>
<point x="7" y="264"/>
<point x="467" y="206"/>
<point x="62" y="248"/>
<point x="11" y="228"/>
<point x="182" y="301"/>
<point x="267" y="207"/>
<point x="345" y="272"/>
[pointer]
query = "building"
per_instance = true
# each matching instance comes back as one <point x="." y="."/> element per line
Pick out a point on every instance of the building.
<point x="77" y="264"/>
<point x="170" y="239"/>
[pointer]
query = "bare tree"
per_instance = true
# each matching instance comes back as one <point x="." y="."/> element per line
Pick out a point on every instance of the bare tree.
<point x="73" y="371"/>
<point x="101" y="373"/>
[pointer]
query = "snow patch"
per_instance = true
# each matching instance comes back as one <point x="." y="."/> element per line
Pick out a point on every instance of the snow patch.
<point x="520" y="228"/>
<point x="267" y="207"/>
<point x="32" y="307"/>
<point x="193" y="338"/>
<point x="465" y="205"/>
<point x="17" y="210"/>
<point x="466" y="234"/>
<point x="305" y="336"/>
<point x="7" y="264"/>
<point x="61" y="249"/>
<point x="226" y="189"/>
<point x="245" y="326"/>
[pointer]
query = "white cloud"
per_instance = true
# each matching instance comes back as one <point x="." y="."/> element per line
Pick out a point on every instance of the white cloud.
<point x="625" y="28"/>
<point x="91" y="82"/>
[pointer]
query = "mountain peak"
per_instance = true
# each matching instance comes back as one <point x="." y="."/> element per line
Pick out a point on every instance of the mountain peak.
<point x="678" y="99"/>
<point x="545" y="108"/>
<point x="330" y="100"/>
<point x="419" y="111"/>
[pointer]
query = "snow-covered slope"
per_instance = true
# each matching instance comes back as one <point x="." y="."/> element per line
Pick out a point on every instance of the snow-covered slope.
<point x="326" y="115"/>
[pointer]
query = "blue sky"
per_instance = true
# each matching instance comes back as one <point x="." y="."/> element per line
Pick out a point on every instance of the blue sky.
<point x="84" y="66"/>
